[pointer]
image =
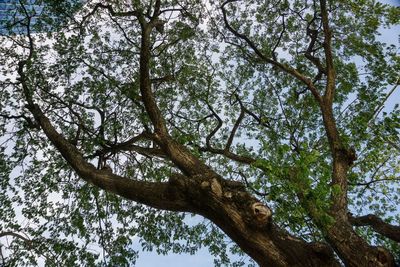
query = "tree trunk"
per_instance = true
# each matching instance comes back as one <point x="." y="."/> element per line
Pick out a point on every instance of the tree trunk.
<point x="249" y="223"/>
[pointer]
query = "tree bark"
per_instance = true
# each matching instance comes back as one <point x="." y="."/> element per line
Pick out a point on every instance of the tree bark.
<point x="379" y="226"/>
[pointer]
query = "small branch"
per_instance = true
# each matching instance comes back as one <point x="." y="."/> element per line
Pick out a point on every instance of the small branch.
<point x="128" y="146"/>
<point x="373" y="175"/>
<point x="382" y="105"/>
<point x="367" y="184"/>
<point x="112" y="12"/>
<point x="16" y="235"/>
<point x="279" y="38"/>
<point x="123" y="31"/>
<point x="235" y="127"/>
<point x="228" y="154"/>
<point x="215" y="130"/>
<point x="313" y="34"/>
<point x="29" y="123"/>
<point x="285" y="68"/>
<point x="31" y="245"/>
<point x="248" y="185"/>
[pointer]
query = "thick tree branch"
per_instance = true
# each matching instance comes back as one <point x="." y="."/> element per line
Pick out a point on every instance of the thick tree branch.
<point x="200" y="190"/>
<point x="184" y="160"/>
<point x="342" y="156"/>
<point x="378" y="225"/>
<point x="145" y="83"/>
<point x="330" y="69"/>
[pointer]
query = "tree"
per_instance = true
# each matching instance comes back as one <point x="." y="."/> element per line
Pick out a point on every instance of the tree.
<point x="264" y="117"/>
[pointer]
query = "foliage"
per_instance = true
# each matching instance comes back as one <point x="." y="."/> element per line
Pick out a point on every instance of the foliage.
<point x="215" y="94"/>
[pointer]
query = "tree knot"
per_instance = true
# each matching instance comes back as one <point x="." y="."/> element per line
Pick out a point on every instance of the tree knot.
<point x="261" y="212"/>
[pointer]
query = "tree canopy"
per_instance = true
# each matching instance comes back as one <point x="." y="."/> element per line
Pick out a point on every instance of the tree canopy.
<point x="120" y="120"/>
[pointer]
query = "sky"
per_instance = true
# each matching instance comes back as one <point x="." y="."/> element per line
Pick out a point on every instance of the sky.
<point x="203" y="258"/>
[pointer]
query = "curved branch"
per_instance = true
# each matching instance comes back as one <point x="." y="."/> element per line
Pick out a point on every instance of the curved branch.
<point x="215" y="130"/>
<point x="280" y="37"/>
<point x="285" y="68"/>
<point x="380" y="107"/>
<point x="182" y="158"/>
<point x="226" y="150"/>
<point x="16" y="235"/>
<point x="378" y="225"/>
<point x="235" y="126"/>
<point x="313" y="34"/>
<point x="32" y="244"/>
<point x="112" y="12"/>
